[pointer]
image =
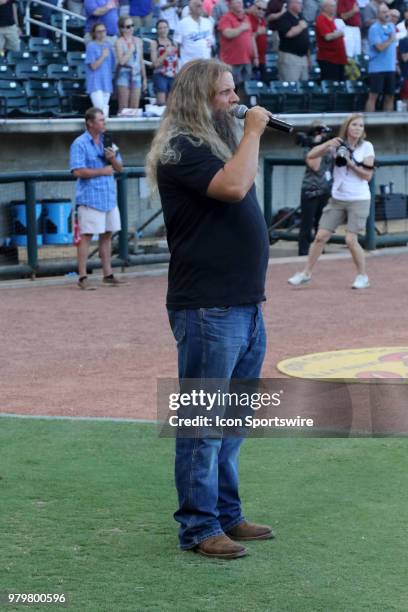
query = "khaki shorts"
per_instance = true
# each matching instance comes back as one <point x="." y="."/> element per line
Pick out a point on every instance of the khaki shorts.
<point x="9" y="38"/>
<point x="339" y="212"/>
<point x="92" y="221"/>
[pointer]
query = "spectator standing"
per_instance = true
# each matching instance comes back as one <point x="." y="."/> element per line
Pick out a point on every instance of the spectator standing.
<point x="382" y="42"/>
<point x="274" y="11"/>
<point x="403" y="53"/>
<point x="294" y="46"/>
<point x="164" y="57"/>
<point x="100" y="64"/>
<point x="130" y="71"/>
<point x="369" y="15"/>
<point x="310" y="10"/>
<point x="169" y="12"/>
<point x="195" y="34"/>
<point x="105" y="12"/>
<point x="75" y="6"/>
<point x="142" y="13"/>
<point x="395" y="17"/>
<point x="331" y="53"/>
<point x="402" y="30"/>
<point x="208" y="7"/>
<point x="349" y="12"/>
<point x="94" y="166"/>
<point x="256" y="15"/>
<point x="238" y="48"/>
<point x="9" y="28"/>
<point x="220" y="9"/>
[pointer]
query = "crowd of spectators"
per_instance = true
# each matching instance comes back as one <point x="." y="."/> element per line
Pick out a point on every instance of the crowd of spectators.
<point x="240" y="32"/>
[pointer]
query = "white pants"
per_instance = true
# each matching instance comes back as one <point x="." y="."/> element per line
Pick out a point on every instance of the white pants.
<point x="100" y="99"/>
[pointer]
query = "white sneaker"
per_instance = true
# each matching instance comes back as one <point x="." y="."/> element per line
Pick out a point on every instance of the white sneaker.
<point x="360" y="282"/>
<point x="300" y="278"/>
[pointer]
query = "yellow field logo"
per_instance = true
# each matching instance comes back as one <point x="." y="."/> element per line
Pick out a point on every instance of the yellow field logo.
<point x="382" y="362"/>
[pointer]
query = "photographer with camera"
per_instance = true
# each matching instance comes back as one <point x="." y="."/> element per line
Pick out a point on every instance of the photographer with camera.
<point x="350" y="196"/>
<point x="316" y="184"/>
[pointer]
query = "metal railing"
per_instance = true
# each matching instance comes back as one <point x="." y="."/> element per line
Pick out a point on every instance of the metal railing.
<point x="370" y="241"/>
<point x="33" y="267"/>
<point x="63" y="32"/>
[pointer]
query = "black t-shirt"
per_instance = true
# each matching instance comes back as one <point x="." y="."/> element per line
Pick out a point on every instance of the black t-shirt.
<point x="219" y="250"/>
<point x="298" y="45"/>
<point x="6" y="14"/>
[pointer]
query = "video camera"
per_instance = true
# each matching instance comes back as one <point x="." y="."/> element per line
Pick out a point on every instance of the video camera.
<point x="308" y="139"/>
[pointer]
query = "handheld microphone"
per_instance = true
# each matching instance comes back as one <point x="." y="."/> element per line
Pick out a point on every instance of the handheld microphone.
<point x="240" y="110"/>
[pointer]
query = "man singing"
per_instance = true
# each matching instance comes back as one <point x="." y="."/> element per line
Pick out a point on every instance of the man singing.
<point x="219" y="253"/>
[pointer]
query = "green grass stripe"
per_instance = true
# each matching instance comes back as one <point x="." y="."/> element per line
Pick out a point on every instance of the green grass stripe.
<point x="86" y="509"/>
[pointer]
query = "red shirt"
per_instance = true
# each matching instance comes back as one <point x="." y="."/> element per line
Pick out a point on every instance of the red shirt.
<point x="344" y="6"/>
<point x="238" y="50"/>
<point x="329" y="50"/>
<point x="262" y="39"/>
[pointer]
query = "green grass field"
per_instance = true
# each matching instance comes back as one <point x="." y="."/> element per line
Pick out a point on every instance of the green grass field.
<point x="86" y="509"/>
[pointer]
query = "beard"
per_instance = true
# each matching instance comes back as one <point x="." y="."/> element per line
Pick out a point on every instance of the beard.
<point x="226" y="127"/>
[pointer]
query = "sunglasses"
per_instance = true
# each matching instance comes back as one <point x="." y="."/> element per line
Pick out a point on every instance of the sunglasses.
<point x="129" y="26"/>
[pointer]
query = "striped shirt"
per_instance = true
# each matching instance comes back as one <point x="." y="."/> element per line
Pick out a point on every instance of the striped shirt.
<point x="100" y="191"/>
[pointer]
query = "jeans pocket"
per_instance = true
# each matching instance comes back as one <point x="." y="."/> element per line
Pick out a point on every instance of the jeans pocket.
<point x="177" y="319"/>
<point x="218" y="311"/>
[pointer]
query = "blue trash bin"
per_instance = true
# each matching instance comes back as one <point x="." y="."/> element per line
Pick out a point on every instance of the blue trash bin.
<point x="19" y="236"/>
<point x="57" y="221"/>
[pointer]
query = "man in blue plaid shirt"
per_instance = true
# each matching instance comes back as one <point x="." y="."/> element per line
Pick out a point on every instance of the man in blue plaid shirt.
<point x="94" y="166"/>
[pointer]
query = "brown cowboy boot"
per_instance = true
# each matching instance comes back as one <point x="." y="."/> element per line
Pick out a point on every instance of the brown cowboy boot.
<point x="250" y="531"/>
<point x="220" y="546"/>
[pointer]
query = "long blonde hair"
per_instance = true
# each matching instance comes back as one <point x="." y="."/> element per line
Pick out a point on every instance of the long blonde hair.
<point x="345" y="126"/>
<point x="189" y="113"/>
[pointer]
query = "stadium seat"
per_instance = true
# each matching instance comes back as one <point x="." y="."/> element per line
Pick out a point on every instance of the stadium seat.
<point x="293" y="99"/>
<point x="320" y="101"/>
<point x="253" y="90"/>
<point x="271" y="101"/>
<point x="61" y="71"/>
<point x="13" y="99"/>
<point x="73" y="96"/>
<point x="360" y="92"/>
<point x="32" y="86"/>
<point x="30" y="71"/>
<point x="315" y="73"/>
<point x="80" y="71"/>
<point x="67" y="87"/>
<point x="42" y="44"/>
<point x="148" y="33"/>
<point x="308" y="88"/>
<point x="6" y="73"/>
<point x="44" y="58"/>
<point x="20" y="57"/>
<point x="75" y="58"/>
<point x="271" y="68"/>
<point x="343" y="101"/>
<point x="312" y="39"/>
<point x="73" y="24"/>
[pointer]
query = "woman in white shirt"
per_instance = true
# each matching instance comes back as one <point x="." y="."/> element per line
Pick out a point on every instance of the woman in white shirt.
<point x="350" y="197"/>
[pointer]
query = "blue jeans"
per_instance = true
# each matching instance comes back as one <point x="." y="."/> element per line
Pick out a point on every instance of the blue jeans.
<point x="222" y="343"/>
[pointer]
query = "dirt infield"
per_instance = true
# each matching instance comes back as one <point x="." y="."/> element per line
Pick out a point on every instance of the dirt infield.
<point x="67" y="352"/>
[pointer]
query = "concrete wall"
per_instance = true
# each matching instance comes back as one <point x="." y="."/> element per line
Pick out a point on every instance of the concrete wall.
<point x="44" y="145"/>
